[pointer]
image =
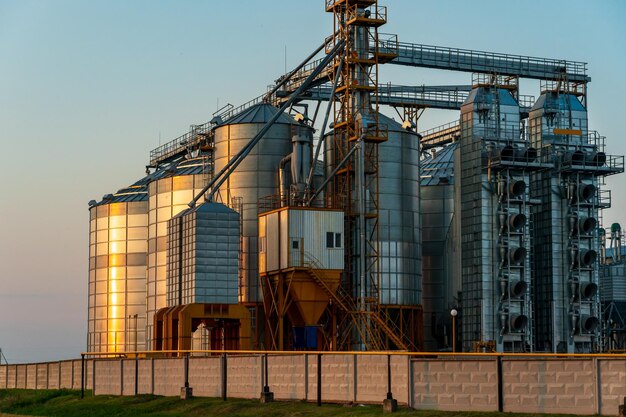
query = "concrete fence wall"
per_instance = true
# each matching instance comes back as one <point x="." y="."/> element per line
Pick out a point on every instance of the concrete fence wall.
<point x="46" y="375"/>
<point x="579" y="385"/>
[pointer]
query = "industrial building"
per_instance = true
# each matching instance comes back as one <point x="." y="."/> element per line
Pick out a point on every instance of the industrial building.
<point x="308" y="219"/>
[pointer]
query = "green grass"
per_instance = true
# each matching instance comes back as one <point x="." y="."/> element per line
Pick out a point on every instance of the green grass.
<point x="66" y="403"/>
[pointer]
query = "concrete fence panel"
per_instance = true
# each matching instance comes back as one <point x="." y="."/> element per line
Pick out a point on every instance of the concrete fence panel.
<point x="53" y="375"/>
<point x="244" y="376"/>
<point x="108" y="377"/>
<point x="455" y="385"/>
<point x="204" y="376"/>
<point x="67" y="374"/>
<point x="12" y="376"/>
<point x="611" y="384"/>
<point x="128" y="370"/>
<point x="287" y="376"/>
<point x="338" y="379"/>
<point x="41" y="381"/>
<point x="21" y="377"/>
<point x="372" y="381"/>
<point x="4" y="376"/>
<point x="549" y="386"/>
<point x="31" y="376"/>
<point x="168" y="376"/>
<point x="145" y="382"/>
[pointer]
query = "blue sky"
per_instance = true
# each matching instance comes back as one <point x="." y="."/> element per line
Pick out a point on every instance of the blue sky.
<point x="87" y="89"/>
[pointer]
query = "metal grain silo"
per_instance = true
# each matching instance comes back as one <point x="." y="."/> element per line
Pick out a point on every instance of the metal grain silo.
<point x="256" y="177"/>
<point x="398" y="217"/>
<point x="567" y="243"/>
<point x="399" y="242"/>
<point x="118" y="232"/>
<point x="170" y="189"/>
<point x="440" y="285"/>
<point x="493" y="176"/>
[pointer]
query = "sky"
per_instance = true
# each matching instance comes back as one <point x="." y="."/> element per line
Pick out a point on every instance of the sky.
<point x="88" y="88"/>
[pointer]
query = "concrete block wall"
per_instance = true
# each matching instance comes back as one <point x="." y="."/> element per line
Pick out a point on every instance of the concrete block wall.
<point x="611" y="384"/>
<point x="108" y="377"/>
<point x="577" y="385"/>
<point x="145" y="382"/>
<point x="371" y="378"/>
<point x="287" y="376"/>
<point x="244" y="376"/>
<point x="550" y="386"/>
<point x="454" y="385"/>
<point x="168" y="376"/>
<point x="205" y="376"/>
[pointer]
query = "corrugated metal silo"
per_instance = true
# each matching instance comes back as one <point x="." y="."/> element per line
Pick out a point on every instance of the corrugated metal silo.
<point x="254" y="178"/>
<point x="171" y="188"/>
<point x="440" y="285"/>
<point x="118" y="232"/>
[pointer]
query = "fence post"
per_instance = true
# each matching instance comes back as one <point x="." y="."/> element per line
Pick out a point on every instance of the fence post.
<point x="121" y="376"/>
<point x="224" y="376"/>
<point x="500" y="393"/>
<point x="266" y="395"/>
<point x="389" y="404"/>
<point x="319" y="379"/>
<point x="136" y="374"/>
<point x="82" y="374"/>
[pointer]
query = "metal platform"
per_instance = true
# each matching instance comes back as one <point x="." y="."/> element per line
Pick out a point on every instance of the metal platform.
<point x="466" y="60"/>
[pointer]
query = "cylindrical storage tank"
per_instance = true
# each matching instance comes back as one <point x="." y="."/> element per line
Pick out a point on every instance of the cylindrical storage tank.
<point x="256" y="177"/>
<point x="399" y="225"/>
<point x="171" y="188"/>
<point x="399" y="256"/>
<point x="118" y="232"/>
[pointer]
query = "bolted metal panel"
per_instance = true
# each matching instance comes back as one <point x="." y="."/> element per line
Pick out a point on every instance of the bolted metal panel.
<point x="170" y="189"/>
<point x="203" y="256"/>
<point x="254" y="178"/>
<point x="493" y="254"/>
<point x="399" y="228"/>
<point x="118" y="231"/>
<point x="308" y="238"/>
<point x="565" y="268"/>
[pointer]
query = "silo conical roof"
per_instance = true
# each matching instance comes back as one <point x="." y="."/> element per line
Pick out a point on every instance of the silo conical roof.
<point x="259" y="113"/>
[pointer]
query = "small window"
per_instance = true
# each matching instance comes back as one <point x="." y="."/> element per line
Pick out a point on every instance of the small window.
<point x="330" y="240"/>
<point x="295" y="244"/>
<point x="337" y="240"/>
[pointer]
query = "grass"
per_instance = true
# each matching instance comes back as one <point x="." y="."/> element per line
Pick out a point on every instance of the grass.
<point x="66" y="403"/>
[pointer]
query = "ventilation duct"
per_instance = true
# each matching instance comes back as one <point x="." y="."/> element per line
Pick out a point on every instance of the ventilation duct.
<point x="574" y="158"/>
<point x="586" y="225"/>
<point x="513" y="288"/>
<point x="507" y="153"/>
<point x="584" y="257"/>
<point x="514" y="323"/>
<point x="588" y="290"/>
<point x="513" y="255"/>
<point x="516" y="188"/>
<point x="586" y="192"/>
<point x="588" y="324"/>
<point x="596" y="159"/>
<point x="527" y="154"/>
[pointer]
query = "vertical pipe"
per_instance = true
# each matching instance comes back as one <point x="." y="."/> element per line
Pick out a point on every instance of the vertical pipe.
<point x="389" y="394"/>
<point x="82" y="373"/>
<point x="136" y="374"/>
<point x="121" y="376"/>
<point x="319" y="379"/>
<point x="266" y="387"/>
<point x="224" y="376"/>
<point x="500" y="393"/>
<point x="186" y="368"/>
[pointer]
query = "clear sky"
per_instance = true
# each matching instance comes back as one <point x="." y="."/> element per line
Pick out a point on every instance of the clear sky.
<point x="88" y="88"/>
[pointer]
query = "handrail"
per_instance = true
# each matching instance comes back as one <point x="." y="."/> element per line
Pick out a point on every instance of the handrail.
<point x="364" y="353"/>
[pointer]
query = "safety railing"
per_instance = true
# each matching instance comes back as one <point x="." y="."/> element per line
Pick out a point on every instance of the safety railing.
<point x="490" y="62"/>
